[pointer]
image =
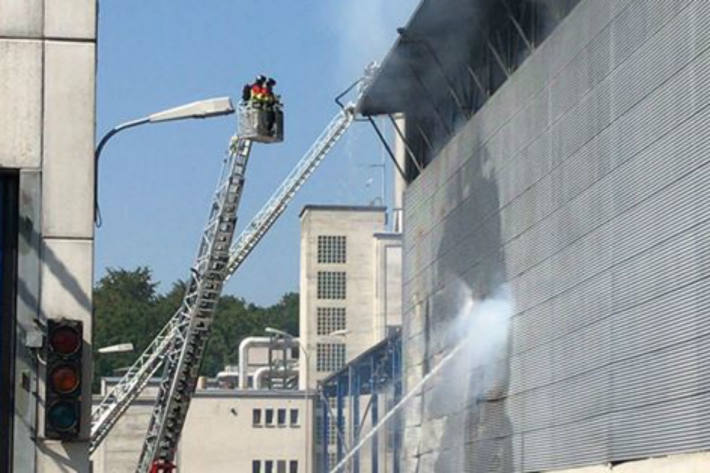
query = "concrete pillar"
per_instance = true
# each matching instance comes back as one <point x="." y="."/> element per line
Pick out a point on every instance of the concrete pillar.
<point x="400" y="154"/>
<point x="47" y="113"/>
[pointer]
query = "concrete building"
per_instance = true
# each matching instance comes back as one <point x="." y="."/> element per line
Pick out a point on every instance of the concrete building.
<point x="350" y="285"/>
<point x="226" y="430"/>
<point x="47" y="73"/>
<point x="565" y="157"/>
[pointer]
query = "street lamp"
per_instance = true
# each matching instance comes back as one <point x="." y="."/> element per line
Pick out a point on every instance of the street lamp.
<point x="120" y="348"/>
<point x="201" y="109"/>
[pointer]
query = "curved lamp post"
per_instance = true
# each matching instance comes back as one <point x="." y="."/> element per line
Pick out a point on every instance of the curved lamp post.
<point x="201" y="109"/>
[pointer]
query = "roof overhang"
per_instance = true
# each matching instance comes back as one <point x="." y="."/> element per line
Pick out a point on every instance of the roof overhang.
<point x="450" y="28"/>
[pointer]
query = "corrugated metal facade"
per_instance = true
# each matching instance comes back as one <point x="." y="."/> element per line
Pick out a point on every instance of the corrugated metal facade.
<point x="582" y="183"/>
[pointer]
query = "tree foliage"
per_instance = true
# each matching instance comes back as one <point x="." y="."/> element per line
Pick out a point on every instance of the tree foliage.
<point x="128" y="308"/>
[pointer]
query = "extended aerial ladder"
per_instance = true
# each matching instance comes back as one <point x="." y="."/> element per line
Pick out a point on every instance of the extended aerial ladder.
<point x="181" y="342"/>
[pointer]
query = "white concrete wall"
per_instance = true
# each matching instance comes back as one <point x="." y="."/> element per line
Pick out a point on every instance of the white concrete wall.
<point x="219" y="436"/>
<point x="358" y="225"/>
<point x="388" y="283"/>
<point x="47" y="110"/>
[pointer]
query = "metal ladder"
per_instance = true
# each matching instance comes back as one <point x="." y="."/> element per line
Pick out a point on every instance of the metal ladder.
<point x="114" y="404"/>
<point x="189" y="338"/>
<point x="174" y="335"/>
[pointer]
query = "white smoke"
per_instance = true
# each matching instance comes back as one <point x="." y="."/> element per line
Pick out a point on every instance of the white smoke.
<point x="478" y="337"/>
<point x="480" y="329"/>
<point x="365" y="29"/>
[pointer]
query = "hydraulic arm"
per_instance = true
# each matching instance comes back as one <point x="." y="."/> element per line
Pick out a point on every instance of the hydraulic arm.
<point x="107" y="413"/>
<point x="184" y="352"/>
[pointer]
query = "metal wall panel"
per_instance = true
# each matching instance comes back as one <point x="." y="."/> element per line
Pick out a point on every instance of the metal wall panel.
<point x="583" y="184"/>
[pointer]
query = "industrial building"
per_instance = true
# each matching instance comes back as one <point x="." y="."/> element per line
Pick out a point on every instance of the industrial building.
<point x="557" y="153"/>
<point x="555" y="167"/>
<point x="47" y="110"/>
<point x="252" y="430"/>
<point x="350" y="285"/>
<point x="253" y="417"/>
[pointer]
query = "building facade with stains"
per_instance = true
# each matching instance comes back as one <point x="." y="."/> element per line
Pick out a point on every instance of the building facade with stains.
<point x="558" y="153"/>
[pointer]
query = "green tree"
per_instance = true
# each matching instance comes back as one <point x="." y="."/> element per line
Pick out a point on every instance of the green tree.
<point x="128" y="309"/>
<point x="125" y="305"/>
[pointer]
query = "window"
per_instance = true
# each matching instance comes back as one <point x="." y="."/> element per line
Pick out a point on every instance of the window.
<point x="331" y="285"/>
<point x="268" y="466"/>
<point x="293" y="466"/>
<point x="330" y="319"/>
<point x="281" y="466"/>
<point x="319" y="429"/>
<point x="256" y="417"/>
<point x="294" y="417"/>
<point x="281" y="417"/>
<point x="269" y="417"/>
<point x="8" y="279"/>
<point x="331" y="249"/>
<point x="332" y="459"/>
<point x="332" y="434"/>
<point x="330" y="356"/>
<point x="256" y="466"/>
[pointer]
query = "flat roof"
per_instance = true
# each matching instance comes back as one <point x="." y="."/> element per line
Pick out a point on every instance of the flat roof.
<point x="342" y="208"/>
<point x="388" y="235"/>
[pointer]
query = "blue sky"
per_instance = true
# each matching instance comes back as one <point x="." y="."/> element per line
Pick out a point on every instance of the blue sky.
<point x="156" y="181"/>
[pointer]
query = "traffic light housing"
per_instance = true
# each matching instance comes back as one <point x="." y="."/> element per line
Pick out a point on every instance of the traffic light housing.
<point x="62" y="414"/>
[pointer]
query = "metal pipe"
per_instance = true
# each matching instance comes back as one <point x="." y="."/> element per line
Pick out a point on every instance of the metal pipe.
<point x="410" y="153"/>
<point x="478" y="82"/>
<point x="517" y="26"/>
<point x="429" y="96"/>
<point x="244" y="347"/>
<point x="405" y="35"/>
<point x="497" y="57"/>
<point x="387" y="147"/>
<point x="262" y="372"/>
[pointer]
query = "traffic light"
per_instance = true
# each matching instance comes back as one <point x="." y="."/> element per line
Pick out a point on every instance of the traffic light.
<point x="62" y="415"/>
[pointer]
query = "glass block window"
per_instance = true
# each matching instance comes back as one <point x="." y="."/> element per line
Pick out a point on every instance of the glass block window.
<point x="332" y="434"/>
<point x="319" y="430"/>
<point x="330" y="356"/>
<point x="331" y="285"/>
<point x="331" y="249"/>
<point x="330" y="319"/>
<point x="332" y="459"/>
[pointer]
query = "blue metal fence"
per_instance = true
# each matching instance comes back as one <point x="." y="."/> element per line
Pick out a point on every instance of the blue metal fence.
<point x="375" y="373"/>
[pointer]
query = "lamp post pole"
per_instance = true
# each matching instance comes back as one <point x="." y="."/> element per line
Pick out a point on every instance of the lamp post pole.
<point x="201" y="109"/>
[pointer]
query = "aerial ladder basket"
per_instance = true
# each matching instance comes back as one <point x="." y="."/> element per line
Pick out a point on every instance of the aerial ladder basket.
<point x="260" y="122"/>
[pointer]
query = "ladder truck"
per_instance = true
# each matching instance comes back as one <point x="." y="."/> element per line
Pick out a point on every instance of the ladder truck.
<point x="179" y="346"/>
